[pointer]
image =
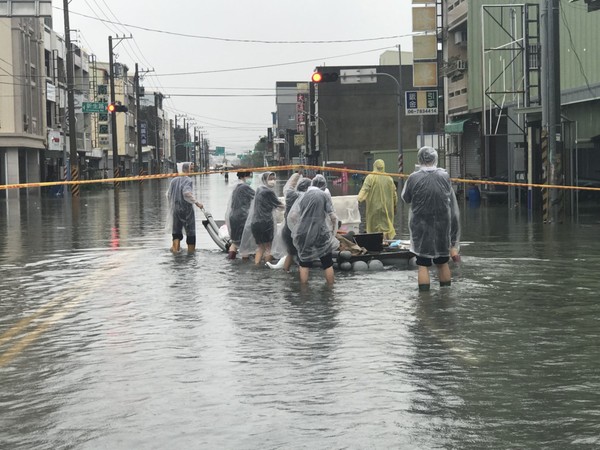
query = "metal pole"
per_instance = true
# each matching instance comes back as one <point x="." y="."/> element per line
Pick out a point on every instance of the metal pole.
<point x="138" y="122"/>
<point x="71" y="104"/>
<point x="399" y="103"/>
<point x="113" y="116"/>
<point x="157" y="133"/>
<point x="400" y="150"/>
<point x="554" y="119"/>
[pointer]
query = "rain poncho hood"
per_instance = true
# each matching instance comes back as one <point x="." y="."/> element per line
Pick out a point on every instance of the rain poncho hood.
<point x="312" y="222"/>
<point x="434" y="216"/>
<point x="379" y="191"/>
<point x="184" y="167"/>
<point x="427" y="156"/>
<point x="238" y="209"/>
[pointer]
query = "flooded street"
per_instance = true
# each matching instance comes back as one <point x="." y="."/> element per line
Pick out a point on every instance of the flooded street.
<point x="107" y="340"/>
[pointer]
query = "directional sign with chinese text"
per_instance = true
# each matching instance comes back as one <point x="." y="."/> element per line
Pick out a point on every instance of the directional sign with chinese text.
<point x="94" y="107"/>
<point x="421" y="103"/>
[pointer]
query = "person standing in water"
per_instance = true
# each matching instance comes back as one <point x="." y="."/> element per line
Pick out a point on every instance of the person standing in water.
<point x="181" y="201"/>
<point x="293" y="189"/>
<point x="433" y="218"/>
<point x="260" y="228"/>
<point x="379" y="192"/>
<point x="313" y="223"/>
<point x="238" y="209"/>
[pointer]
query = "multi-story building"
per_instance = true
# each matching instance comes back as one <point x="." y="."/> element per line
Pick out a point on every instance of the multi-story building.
<point x="493" y="68"/>
<point x="159" y="147"/>
<point x="126" y="124"/>
<point x="292" y="100"/>
<point x="356" y="119"/>
<point x="58" y="128"/>
<point x="22" y="101"/>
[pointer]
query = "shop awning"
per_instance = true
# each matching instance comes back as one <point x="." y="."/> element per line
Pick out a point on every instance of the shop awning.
<point x="456" y="126"/>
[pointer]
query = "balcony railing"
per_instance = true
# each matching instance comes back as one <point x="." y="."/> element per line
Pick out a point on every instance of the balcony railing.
<point x="457" y="12"/>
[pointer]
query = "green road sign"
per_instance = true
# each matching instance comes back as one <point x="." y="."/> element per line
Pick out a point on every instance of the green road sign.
<point x="94" y="107"/>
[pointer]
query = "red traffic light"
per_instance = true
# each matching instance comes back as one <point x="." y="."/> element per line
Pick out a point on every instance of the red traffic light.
<point x="116" y="107"/>
<point x="324" y="77"/>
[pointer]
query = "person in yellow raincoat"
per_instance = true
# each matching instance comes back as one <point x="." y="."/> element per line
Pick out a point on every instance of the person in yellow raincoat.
<point x="379" y="191"/>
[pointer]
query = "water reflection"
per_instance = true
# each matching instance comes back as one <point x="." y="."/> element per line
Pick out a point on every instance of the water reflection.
<point x="108" y="340"/>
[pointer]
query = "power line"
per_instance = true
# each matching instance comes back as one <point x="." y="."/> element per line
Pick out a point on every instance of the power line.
<point x="269" y="65"/>
<point x="581" y="69"/>
<point x="250" y="41"/>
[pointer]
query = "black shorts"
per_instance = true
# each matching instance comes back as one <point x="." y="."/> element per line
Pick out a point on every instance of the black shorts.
<point x="263" y="232"/>
<point x="426" y="262"/>
<point x="326" y="262"/>
<point x="237" y="229"/>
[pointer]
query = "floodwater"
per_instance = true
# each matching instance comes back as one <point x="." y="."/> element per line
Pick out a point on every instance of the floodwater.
<point x="107" y="340"/>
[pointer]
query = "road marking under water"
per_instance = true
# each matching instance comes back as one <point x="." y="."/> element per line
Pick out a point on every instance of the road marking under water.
<point x="98" y="276"/>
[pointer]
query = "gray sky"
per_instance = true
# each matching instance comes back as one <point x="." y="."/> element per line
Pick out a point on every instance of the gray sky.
<point x="241" y="114"/>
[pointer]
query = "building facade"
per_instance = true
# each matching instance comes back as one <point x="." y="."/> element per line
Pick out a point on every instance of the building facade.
<point x="22" y="101"/>
<point x="493" y="77"/>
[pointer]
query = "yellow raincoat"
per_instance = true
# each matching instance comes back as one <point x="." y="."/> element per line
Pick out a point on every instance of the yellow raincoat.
<point x="379" y="191"/>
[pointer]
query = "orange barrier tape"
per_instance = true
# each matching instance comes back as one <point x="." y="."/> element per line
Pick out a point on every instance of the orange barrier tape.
<point x="286" y="168"/>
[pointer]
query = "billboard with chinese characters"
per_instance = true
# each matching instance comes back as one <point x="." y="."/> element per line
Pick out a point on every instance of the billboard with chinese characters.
<point x="421" y="103"/>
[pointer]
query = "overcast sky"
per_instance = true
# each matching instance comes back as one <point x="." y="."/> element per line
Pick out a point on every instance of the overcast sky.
<point x="234" y="106"/>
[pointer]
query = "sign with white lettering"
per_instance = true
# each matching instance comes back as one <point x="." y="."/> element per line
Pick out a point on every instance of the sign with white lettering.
<point x="421" y="103"/>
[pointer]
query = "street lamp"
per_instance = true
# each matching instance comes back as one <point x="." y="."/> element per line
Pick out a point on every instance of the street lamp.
<point x="399" y="103"/>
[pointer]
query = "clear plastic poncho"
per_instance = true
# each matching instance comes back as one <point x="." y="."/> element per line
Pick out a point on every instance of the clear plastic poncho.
<point x="261" y="226"/>
<point x="379" y="191"/>
<point x="434" y="215"/>
<point x="181" y="200"/>
<point x="293" y="189"/>
<point x="237" y="211"/>
<point x="312" y="222"/>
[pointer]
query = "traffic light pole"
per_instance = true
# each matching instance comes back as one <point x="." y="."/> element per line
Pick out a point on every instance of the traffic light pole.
<point x="113" y="116"/>
<point x="325" y="156"/>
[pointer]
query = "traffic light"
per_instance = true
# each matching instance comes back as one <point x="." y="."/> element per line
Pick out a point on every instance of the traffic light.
<point x="324" y="77"/>
<point x="116" y="107"/>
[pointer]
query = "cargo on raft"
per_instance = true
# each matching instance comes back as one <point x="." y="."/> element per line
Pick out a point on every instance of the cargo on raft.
<point x="357" y="251"/>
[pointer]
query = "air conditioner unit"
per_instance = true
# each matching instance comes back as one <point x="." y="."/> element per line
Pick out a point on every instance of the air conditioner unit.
<point x="461" y="64"/>
<point x="460" y="37"/>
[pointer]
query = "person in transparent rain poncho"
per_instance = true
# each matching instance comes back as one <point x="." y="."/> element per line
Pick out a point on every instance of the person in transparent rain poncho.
<point x="379" y="191"/>
<point x="295" y="187"/>
<point x="238" y="209"/>
<point x="181" y="201"/>
<point x="260" y="227"/>
<point x="433" y="218"/>
<point x="313" y="223"/>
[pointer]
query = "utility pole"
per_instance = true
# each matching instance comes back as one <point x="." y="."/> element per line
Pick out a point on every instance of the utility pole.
<point x="157" y="146"/>
<point x="71" y="104"/>
<point x="137" y="120"/>
<point x="551" y="119"/>
<point x="113" y="116"/>
<point x="400" y="150"/>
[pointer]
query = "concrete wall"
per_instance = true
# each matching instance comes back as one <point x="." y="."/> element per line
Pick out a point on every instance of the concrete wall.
<point x="363" y="117"/>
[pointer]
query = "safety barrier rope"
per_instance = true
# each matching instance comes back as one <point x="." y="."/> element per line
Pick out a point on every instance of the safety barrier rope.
<point x="285" y="168"/>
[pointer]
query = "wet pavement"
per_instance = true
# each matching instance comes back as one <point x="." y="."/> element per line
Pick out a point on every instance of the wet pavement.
<point x="107" y="340"/>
